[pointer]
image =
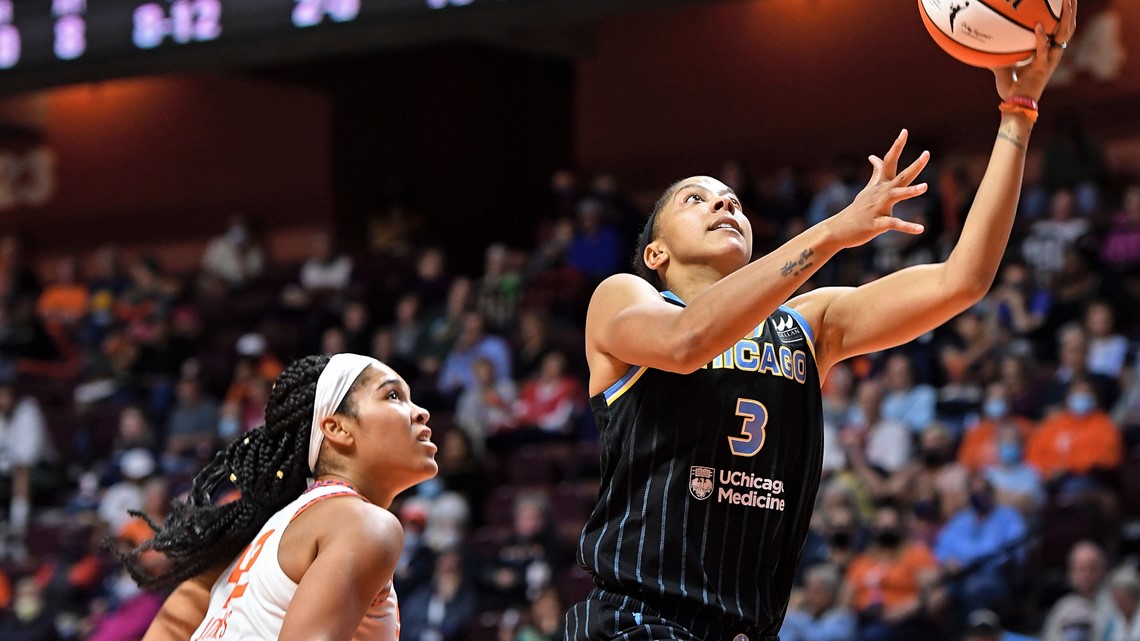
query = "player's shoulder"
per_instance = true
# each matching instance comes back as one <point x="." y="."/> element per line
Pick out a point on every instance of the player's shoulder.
<point x="619" y="292"/>
<point x="625" y="285"/>
<point x="350" y="517"/>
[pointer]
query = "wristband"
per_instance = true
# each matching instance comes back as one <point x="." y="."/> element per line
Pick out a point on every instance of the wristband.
<point x="1020" y="105"/>
<point x="1023" y="101"/>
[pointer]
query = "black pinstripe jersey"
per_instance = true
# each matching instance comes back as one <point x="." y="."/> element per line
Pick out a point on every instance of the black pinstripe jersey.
<point x="709" y="478"/>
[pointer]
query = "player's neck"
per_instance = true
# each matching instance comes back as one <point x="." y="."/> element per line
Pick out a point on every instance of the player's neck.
<point x="688" y="282"/>
<point x="375" y="495"/>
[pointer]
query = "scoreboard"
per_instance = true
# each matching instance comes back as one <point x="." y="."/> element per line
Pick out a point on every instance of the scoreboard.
<point x="46" y="35"/>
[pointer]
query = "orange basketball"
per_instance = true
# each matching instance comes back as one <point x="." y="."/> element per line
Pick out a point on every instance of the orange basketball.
<point x="989" y="33"/>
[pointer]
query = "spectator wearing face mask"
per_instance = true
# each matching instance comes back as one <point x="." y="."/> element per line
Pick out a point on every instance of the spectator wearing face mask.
<point x="1074" y="448"/>
<point x="980" y="448"/>
<point x="1073" y="354"/>
<point x="1015" y="483"/>
<point x="977" y="547"/>
<point x="891" y="586"/>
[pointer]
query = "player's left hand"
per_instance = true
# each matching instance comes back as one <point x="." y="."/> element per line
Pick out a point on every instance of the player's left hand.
<point x="1030" y="80"/>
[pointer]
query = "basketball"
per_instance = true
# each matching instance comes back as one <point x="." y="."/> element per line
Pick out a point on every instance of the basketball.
<point x="989" y="33"/>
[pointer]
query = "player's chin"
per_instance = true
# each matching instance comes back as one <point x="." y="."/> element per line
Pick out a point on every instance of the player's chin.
<point x="428" y="469"/>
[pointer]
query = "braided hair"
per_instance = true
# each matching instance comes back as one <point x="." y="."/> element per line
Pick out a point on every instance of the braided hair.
<point x="648" y="235"/>
<point x="269" y="466"/>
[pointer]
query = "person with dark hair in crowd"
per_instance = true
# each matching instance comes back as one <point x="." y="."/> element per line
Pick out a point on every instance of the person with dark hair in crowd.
<point x="441" y="609"/>
<point x="472" y="344"/>
<point x="285" y="560"/>
<point x="1079" y="448"/>
<point x="549" y="404"/>
<point x="979" y="449"/>
<point x="979" y="548"/>
<point x="531" y="343"/>
<point x="544" y="620"/>
<point x="461" y="471"/>
<point x="526" y="561"/>
<point x="892" y="585"/>
<point x="1073" y="350"/>
<point x="192" y="428"/>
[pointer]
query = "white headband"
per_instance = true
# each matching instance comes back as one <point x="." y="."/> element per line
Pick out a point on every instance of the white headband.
<point x="332" y="386"/>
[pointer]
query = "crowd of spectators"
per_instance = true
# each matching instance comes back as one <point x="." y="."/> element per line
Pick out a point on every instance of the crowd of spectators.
<point x="982" y="479"/>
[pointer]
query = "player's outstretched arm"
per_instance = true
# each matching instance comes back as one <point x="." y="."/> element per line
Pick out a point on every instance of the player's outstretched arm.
<point x="629" y="322"/>
<point x="356" y="553"/>
<point x="902" y="306"/>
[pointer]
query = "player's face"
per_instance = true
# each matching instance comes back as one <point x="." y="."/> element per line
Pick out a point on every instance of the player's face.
<point x="704" y="223"/>
<point x="394" y="441"/>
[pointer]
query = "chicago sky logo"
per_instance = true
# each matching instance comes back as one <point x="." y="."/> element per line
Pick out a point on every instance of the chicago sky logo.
<point x="701" y="482"/>
<point x="787" y="330"/>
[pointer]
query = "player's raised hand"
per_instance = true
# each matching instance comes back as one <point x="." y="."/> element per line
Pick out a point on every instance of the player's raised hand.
<point x="1030" y="79"/>
<point x="872" y="211"/>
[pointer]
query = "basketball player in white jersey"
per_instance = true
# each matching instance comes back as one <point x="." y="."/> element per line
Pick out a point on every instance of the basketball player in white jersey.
<point x="290" y="558"/>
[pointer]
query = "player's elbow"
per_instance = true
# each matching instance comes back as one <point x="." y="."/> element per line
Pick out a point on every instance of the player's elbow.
<point x="966" y="288"/>
<point x="689" y="352"/>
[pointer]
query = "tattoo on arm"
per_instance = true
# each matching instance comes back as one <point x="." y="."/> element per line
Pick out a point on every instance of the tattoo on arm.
<point x="1012" y="138"/>
<point x="796" y="267"/>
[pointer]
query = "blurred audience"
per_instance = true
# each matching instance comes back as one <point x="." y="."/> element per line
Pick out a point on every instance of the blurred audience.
<point x="992" y="445"/>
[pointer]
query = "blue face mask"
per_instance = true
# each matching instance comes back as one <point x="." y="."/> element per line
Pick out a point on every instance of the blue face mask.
<point x="1009" y="453"/>
<point x="1081" y="403"/>
<point x="996" y="408"/>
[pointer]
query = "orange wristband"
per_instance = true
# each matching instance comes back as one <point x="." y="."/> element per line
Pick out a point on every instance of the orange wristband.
<point x="1010" y="107"/>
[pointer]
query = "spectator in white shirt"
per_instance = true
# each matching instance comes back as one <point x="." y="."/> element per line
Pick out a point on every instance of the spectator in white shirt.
<point x="324" y="271"/>
<point x="234" y="257"/>
<point x="23" y="443"/>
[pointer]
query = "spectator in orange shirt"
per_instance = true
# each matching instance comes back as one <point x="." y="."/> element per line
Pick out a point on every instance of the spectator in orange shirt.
<point x="979" y="448"/>
<point x="891" y="585"/>
<point x="65" y="300"/>
<point x="1075" y="446"/>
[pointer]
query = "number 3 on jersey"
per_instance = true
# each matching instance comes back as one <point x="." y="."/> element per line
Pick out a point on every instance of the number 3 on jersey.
<point x="755" y="420"/>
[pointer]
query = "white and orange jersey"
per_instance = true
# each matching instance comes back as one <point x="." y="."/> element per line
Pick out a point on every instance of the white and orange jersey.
<point x="249" y="599"/>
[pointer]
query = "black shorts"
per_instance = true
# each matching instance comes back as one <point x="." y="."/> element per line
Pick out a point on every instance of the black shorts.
<point x="604" y="616"/>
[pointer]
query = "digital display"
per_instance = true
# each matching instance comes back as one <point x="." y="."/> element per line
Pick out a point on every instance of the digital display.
<point x="44" y="34"/>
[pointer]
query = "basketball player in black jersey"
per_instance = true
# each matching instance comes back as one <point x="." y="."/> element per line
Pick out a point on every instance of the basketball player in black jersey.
<point x="706" y="385"/>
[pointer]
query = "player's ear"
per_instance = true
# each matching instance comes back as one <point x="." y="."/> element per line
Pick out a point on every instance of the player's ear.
<point x="656" y="256"/>
<point x="338" y="429"/>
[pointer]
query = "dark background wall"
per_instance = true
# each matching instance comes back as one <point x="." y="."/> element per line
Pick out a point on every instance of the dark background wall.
<point x="676" y="91"/>
<point x="467" y="134"/>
